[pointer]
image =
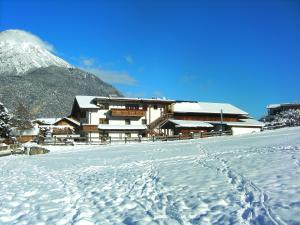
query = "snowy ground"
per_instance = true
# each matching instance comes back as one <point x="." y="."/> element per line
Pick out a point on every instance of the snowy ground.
<point x="252" y="179"/>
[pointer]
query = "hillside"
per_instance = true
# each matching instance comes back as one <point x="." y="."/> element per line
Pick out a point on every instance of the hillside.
<point x="50" y="91"/>
<point x="31" y="74"/>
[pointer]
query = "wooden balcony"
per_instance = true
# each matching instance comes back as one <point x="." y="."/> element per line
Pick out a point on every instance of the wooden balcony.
<point x="89" y="128"/>
<point x="128" y="112"/>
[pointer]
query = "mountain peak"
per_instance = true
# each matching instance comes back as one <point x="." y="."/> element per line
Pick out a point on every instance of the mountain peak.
<point x="21" y="51"/>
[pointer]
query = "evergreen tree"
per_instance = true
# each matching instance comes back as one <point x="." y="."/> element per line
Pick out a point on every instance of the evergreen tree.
<point x="22" y="117"/>
<point x="5" y="120"/>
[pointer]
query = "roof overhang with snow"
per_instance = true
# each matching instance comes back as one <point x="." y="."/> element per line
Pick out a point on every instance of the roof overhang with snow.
<point x="46" y="121"/>
<point x="71" y="120"/>
<point x="242" y="123"/>
<point x="121" y="127"/>
<point x="274" y="106"/>
<point x="134" y="100"/>
<point x="86" y="102"/>
<point x="189" y="123"/>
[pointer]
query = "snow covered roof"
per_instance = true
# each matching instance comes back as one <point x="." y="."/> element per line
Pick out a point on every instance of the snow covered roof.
<point x="207" y="107"/>
<point x="73" y="121"/>
<point x="189" y="123"/>
<point x="243" y="123"/>
<point x="31" y="131"/>
<point x="48" y="121"/>
<point x="85" y="102"/>
<point x="125" y="99"/>
<point x="70" y="119"/>
<point x="274" y="106"/>
<point x="121" y="127"/>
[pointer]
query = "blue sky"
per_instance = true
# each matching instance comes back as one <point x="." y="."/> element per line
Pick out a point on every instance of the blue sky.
<point x="243" y="52"/>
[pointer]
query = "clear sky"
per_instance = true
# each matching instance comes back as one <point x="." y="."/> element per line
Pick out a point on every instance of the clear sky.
<point x="242" y="52"/>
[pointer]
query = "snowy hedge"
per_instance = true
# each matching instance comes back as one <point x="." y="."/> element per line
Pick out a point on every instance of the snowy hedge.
<point x="288" y="118"/>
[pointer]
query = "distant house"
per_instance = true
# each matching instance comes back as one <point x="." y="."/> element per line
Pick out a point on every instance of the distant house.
<point x="205" y="116"/>
<point x="273" y="109"/>
<point x="65" y="127"/>
<point x="118" y="117"/>
<point x="25" y="135"/>
<point x="58" y="127"/>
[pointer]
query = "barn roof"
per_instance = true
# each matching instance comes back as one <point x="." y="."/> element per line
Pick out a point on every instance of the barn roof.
<point x="207" y="107"/>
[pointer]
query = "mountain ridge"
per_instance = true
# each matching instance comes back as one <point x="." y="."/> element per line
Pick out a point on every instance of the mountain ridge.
<point x="46" y="84"/>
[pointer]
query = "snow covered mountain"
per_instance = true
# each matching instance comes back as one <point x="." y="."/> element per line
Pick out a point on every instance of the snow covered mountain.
<point x="21" y="52"/>
<point x="46" y="84"/>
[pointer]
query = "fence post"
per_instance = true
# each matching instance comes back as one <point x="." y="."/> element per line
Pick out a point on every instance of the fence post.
<point x="180" y="134"/>
<point x="109" y="139"/>
<point x="54" y="140"/>
<point x="125" y="140"/>
<point x="140" y="138"/>
<point x="192" y="135"/>
<point x="153" y="137"/>
<point x="201" y="134"/>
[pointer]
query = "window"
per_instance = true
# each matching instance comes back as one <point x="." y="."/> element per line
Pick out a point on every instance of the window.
<point x="128" y="135"/>
<point x="144" y="121"/>
<point x="83" y="114"/>
<point x="155" y="107"/>
<point x="103" y="121"/>
<point x="127" y="121"/>
<point x="132" y="106"/>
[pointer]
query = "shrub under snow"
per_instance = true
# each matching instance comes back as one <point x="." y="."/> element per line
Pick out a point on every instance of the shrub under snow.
<point x="288" y="118"/>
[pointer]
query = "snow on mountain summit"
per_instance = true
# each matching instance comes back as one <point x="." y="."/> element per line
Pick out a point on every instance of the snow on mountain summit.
<point x="21" y="51"/>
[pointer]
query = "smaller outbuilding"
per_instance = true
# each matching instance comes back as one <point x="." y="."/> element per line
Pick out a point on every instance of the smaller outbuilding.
<point x="199" y="117"/>
<point x="273" y="109"/>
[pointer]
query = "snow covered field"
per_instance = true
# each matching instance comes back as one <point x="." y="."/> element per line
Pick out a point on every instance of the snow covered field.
<point x="251" y="179"/>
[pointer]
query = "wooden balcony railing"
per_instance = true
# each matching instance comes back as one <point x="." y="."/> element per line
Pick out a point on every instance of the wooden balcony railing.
<point x="89" y="128"/>
<point x="128" y="112"/>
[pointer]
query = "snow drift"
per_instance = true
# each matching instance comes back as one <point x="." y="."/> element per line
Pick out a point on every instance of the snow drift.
<point x="251" y="179"/>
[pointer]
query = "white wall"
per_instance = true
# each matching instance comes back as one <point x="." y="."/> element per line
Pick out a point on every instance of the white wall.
<point x="152" y="114"/>
<point x="93" y="117"/>
<point x="244" y="130"/>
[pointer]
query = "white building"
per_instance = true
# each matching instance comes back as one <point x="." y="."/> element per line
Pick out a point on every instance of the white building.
<point x="119" y="117"/>
<point x="206" y="116"/>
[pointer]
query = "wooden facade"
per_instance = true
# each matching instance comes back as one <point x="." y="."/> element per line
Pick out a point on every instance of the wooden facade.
<point x="89" y="128"/>
<point x="186" y="131"/>
<point x="25" y="138"/>
<point x="128" y="112"/>
<point x="207" y="117"/>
